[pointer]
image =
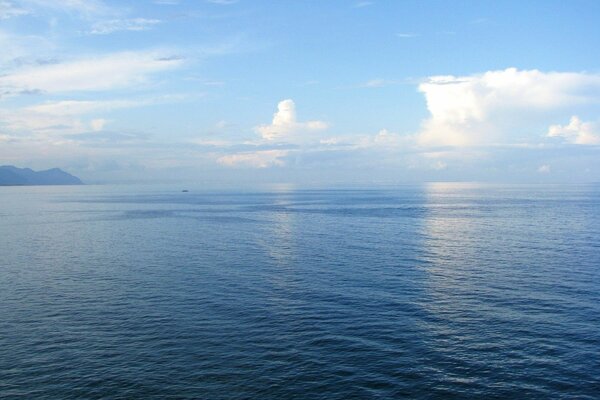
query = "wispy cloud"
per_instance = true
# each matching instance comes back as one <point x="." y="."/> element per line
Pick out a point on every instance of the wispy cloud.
<point x="407" y="35"/>
<point x="111" y="71"/>
<point x="362" y="4"/>
<point x="79" y="107"/>
<point x="115" y="25"/>
<point x="21" y="49"/>
<point x="9" y="10"/>
<point x="222" y="2"/>
<point x="479" y="21"/>
<point x="99" y="136"/>
<point x="378" y="83"/>
<point x="70" y="116"/>
<point x="31" y="124"/>
<point x="84" y="8"/>
<point x="204" y="81"/>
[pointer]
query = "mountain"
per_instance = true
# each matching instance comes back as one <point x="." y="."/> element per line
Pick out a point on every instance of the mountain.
<point x="12" y="176"/>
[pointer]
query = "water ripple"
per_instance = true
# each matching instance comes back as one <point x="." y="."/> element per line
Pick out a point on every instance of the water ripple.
<point x="437" y="291"/>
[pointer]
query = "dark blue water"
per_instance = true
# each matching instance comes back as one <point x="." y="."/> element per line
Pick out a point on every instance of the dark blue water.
<point x="435" y="291"/>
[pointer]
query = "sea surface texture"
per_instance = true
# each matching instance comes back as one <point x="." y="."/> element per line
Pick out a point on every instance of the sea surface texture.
<point x="438" y="291"/>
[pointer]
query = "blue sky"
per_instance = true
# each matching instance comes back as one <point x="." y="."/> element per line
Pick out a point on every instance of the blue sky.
<point x="302" y="91"/>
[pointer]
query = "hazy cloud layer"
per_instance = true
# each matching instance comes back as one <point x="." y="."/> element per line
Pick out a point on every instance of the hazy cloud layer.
<point x="254" y="159"/>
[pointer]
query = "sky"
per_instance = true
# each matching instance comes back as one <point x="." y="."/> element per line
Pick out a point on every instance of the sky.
<point x="302" y="92"/>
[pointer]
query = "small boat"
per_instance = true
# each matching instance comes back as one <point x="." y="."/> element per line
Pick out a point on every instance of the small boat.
<point x="185" y="190"/>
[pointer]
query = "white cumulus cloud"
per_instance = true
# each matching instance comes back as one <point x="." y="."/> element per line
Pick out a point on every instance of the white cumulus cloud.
<point x="576" y="131"/>
<point x="484" y="108"/>
<point x="285" y="125"/>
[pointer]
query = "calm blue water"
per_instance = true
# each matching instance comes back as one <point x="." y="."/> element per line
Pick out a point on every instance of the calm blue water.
<point x="435" y="291"/>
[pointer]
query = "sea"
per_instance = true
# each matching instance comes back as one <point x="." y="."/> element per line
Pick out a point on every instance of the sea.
<point x="431" y="291"/>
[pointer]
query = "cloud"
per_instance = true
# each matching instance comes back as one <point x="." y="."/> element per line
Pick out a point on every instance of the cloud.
<point x="6" y="138"/>
<point x="205" y="82"/>
<point x="285" y="125"/>
<point x="107" y="137"/>
<point x="406" y="35"/>
<point x="479" y="21"/>
<point x="377" y="83"/>
<point x="211" y="142"/>
<point x="576" y="131"/>
<point x="78" y="107"/>
<point x="382" y="140"/>
<point x="362" y="4"/>
<point x="284" y="133"/>
<point x="544" y="169"/>
<point x="9" y="10"/>
<point x="16" y="49"/>
<point x="255" y="159"/>
<point x="112" y="71"/>
<point x="67" y="116"/>
<point x="486" y="108"/>
<point x="85" y="8"/>
<point x="389" y="139"/>
<point x="29" y="125"/>
<point x="222" y="2"/>
<point x="98" y="124"/>
<point x="115" y="25"/>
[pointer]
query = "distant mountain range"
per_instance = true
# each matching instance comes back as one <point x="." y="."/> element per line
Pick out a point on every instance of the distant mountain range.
<point x="13" y="176"/>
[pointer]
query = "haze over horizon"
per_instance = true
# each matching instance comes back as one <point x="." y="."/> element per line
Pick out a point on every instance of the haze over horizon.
<point x="301" y="92"/>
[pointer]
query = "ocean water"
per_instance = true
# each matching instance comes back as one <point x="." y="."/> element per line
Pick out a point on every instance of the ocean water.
<point x="436" y="291"/>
